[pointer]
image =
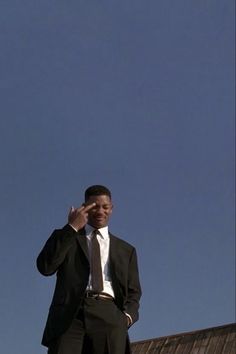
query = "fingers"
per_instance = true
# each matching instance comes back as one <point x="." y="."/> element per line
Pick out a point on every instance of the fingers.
<point x="89" y="206"/>
<point x="72" y="209"/>
<point x="77" y="210"/>
<point x="78" y="217"/>
<point x="83" y="208"/>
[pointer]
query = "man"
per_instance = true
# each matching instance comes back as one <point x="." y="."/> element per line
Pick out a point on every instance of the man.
<point x="97" y="293"/>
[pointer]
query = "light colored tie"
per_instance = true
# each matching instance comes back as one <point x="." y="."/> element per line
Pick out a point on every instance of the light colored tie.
<point x="96" y="267"/>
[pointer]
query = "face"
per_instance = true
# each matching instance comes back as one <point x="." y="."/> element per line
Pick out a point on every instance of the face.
<point x="99" y="215"/>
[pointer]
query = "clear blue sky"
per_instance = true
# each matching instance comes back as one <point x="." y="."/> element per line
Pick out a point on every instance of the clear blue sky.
<point x="139" y="96"/>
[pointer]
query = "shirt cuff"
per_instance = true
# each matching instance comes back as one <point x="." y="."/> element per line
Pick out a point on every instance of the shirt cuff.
<point x="73" y="227"/>
<point x="129" y="317"/>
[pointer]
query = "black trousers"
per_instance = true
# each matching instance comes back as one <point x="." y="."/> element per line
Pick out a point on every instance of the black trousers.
<point x="99" y="328"/>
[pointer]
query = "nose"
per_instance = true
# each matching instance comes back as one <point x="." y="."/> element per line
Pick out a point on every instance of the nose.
<point x="99" y="210"/>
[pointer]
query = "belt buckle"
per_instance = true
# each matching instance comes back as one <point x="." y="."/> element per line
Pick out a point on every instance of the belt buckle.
<point x="91" y="295"/>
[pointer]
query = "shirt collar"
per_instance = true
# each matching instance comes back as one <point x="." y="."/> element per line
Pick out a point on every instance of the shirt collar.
<point x="103" y="231"/>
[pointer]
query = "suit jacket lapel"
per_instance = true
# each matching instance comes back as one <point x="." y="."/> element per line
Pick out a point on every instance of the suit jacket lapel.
<point x="82" y="240"/>
<point x="114" y="258"/>
<point x="115" y="270"/>
<point x="112" y="249"/>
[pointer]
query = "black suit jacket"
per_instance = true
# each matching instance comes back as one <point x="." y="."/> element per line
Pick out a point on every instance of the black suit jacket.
<point x="66" y="254"/>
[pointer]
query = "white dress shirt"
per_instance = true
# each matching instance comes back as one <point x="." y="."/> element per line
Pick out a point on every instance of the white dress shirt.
<point x="104" y="243"/>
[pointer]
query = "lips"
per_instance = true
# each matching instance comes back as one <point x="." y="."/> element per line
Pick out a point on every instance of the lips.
<point x="99" y="219"/>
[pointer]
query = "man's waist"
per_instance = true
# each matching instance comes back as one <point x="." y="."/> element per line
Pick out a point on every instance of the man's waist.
<point x="107" y="288"/>
<point x="102" y="296"/>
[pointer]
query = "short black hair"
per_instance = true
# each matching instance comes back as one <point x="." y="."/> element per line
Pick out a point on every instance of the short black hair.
<point x="96" y="190"/>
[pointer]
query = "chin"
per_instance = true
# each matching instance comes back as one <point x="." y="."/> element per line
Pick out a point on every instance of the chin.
<point x="98" y="224"/>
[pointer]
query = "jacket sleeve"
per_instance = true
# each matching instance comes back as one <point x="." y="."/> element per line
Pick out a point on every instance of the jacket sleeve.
<point x="55" y="250"/>
<point x="134" y="288"/>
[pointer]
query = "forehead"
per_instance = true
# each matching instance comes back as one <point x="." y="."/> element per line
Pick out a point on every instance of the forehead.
<point x="99" y="199"/>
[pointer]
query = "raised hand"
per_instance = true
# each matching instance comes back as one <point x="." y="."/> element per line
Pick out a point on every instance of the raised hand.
<point x="78" y="217"/>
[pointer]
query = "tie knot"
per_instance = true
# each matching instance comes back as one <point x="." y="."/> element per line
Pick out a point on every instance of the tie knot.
<point x="95" y="233"/>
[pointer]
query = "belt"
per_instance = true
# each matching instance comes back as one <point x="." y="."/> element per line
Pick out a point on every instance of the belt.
<point x="97" y="296"/>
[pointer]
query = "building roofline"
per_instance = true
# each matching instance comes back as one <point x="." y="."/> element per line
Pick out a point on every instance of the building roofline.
<point x="183" y="334"/>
